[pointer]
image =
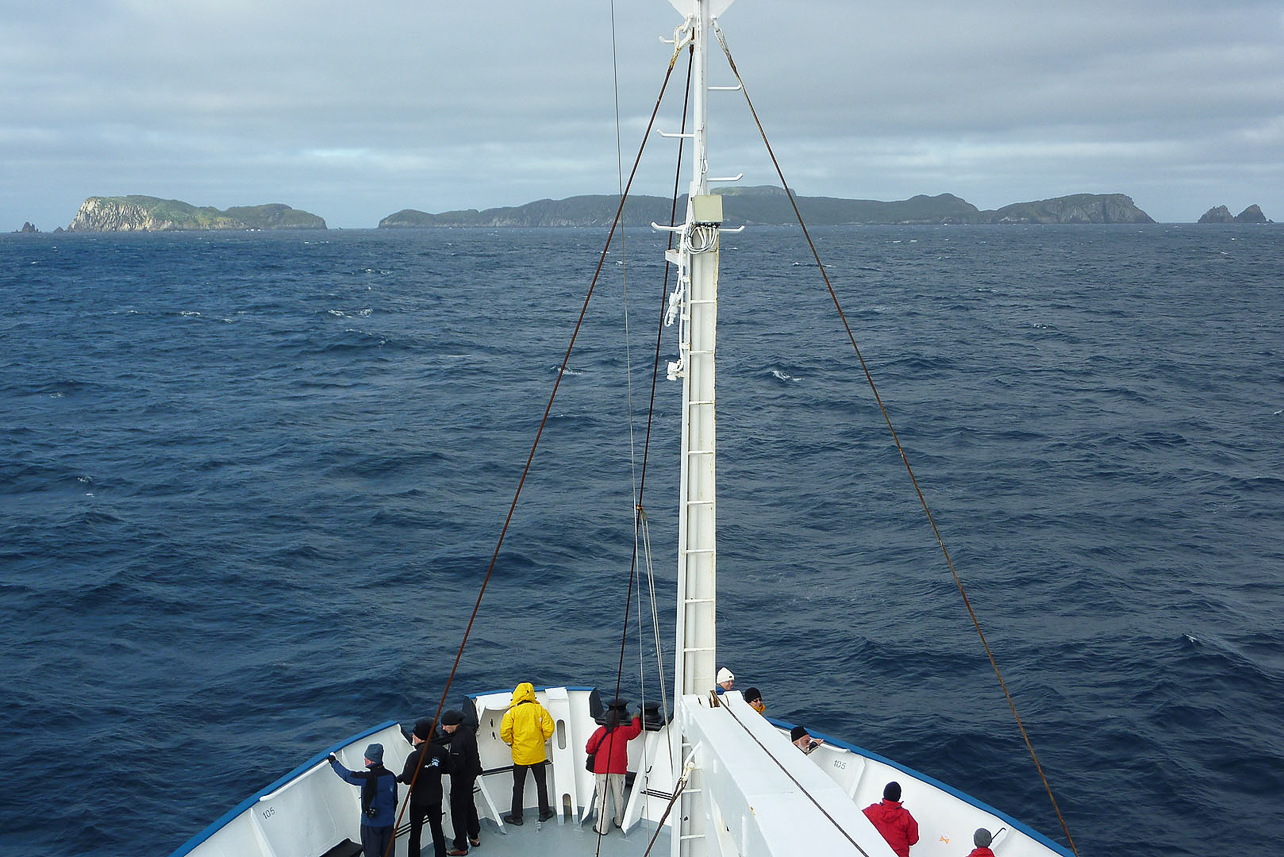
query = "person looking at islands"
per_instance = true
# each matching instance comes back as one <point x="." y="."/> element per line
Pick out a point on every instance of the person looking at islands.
<point x="609" y="747"/>
<point x="422" y="772"/>
<point x="803" y="741"/>
<point x="466" y="768"/>
<point x="893" y="821"/>
<point x="378" y="799"/>
<point x="526" y="727"/>
<point x="981" y="839"/>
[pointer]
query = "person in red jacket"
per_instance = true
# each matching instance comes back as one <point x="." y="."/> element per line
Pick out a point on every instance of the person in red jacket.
<point x="609" y="746"/>
<point x="893" y="820"/>
<point x="982" y="840"/>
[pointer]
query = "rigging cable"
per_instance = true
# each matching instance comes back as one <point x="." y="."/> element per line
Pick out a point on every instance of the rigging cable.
<point x="641" y="529"/>
<point x="600" y="800"/>
<point x="490" y="570"/>
<point x="904" y="459"/>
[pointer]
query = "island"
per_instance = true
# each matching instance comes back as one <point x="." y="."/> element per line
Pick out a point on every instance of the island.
<point x="151" y="214"/>
<point x="1221" y="214"/>
<point x="769" y="205"/>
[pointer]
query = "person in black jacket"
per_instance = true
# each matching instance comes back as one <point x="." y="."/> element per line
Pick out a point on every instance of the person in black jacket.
<point x="466" y="768"/>
<point x="431" y="761"/>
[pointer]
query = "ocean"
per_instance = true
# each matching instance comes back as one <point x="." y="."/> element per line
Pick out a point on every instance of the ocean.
<point x="250" y="485"/>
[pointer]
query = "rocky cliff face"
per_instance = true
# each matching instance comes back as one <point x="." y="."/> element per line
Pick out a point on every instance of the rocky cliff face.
<point x="1078" y="208"/>
<point x="136" y="214"/>
<point x="770" y="205"/>
<point x="150" y="214"/>
<point x="1218" y="214"/>
<point x="106" y="215"/>
<point x="1252" y="214"/>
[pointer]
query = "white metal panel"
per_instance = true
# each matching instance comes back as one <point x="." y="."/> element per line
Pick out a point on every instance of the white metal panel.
<point x="309" y="814"/>
<point x="234" y="839"/>
<point x="563" y="786"/>
<point x="763" y="793"/>
<point x="946" y="818"/>
<point x="653" y="783"/>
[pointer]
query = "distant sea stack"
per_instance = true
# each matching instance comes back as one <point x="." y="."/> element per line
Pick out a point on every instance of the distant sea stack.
<point x="1221" y="214"/>
<point x="770" y="206"/>
<point x="150" y="214"/>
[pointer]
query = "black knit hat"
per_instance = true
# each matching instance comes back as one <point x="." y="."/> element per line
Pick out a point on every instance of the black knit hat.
<point x="423" y="729"/>
<point x="892" y="791"/>
<point x="752" y="694"/>
<point x="452" y="718"/>
<point x="796" y="733"/>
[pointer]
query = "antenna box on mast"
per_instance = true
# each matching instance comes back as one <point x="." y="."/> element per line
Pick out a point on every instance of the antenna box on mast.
<point x="706" y="209"/>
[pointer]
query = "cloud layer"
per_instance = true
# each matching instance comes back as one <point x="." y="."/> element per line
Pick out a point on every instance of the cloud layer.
<point x="354" y="111"/>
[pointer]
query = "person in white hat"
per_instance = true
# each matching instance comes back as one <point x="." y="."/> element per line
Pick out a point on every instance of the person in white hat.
<point x="725" y="681"/>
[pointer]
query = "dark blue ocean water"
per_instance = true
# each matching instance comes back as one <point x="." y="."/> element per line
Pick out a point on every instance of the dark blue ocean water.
<point x="250" y="483"/>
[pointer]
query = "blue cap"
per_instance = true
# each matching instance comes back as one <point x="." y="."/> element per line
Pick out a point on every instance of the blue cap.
<point x="375" y="753"/>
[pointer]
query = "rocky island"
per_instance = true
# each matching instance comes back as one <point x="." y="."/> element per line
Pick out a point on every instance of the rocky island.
<point x="770" y="206"/>
<point x="150" y="214"/>
<point x="1221" y="214"/>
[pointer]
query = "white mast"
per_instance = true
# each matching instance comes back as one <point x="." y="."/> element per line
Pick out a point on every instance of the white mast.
<point x="697" y="261"/>
<point x="697" y="307"/>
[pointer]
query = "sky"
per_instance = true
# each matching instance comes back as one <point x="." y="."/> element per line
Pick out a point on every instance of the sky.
<point x="354" y="111"/>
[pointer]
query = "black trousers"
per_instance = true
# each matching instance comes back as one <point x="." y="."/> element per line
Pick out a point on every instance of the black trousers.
<point x="431" y="812"/>
<point x="463" y="811"/>
<point x="375" y="840"/>
<point x="519" y="786"/>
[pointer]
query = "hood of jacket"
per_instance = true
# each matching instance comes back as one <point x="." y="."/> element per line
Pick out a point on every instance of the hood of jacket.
<point x="524" y="692"/>
<point x="887" y="810"/>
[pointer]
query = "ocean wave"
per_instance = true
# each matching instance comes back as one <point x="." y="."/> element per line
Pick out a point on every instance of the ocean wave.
<point x="1104" y="474"/>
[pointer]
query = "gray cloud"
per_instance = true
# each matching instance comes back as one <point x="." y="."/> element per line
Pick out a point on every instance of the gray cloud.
<point x="354" y="113"/>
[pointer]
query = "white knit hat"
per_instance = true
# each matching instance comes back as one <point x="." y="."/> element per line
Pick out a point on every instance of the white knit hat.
<point x="724" y="674"/>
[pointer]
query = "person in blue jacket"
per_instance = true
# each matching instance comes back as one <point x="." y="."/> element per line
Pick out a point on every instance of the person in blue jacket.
<point x="378" y="800"/>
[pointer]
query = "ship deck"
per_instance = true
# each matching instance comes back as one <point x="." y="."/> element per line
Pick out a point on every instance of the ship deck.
<point x="558" y="836"/>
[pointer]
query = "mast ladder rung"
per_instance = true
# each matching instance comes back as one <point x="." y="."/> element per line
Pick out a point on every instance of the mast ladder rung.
<point x="698" y="502"/>
<point x="699" y="649"/>
<point x="701" y="351"/>
<point x="697" y="550"/>
<point x="697" y="600"/>
<point x="702" y="402"/>
<point x="701" y="301"/>
<point x="699" y="452"/>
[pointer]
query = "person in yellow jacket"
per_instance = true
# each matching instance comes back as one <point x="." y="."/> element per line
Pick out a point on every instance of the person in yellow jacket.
<point x="525" y="728"/>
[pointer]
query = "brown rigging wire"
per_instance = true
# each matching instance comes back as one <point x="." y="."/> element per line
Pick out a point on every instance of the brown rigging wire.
<point x="650" y="414"/>
<point x="904" y="459"/>
<point x="619" y="212"/>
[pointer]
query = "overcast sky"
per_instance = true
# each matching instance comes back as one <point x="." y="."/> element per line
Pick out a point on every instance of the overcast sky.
<point x="355" y="110"/>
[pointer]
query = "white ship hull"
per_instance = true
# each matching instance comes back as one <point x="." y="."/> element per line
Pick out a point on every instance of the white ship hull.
<point x="758" y="798"/>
